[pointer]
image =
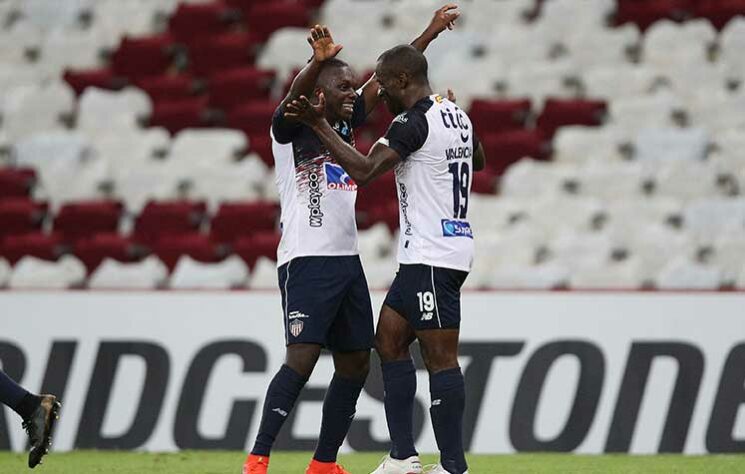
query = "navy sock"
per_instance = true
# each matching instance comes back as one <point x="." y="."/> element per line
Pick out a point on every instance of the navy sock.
<point x="399" y="381"/>
<point x="280" y="399"/>
<point x="448" y="393"/>
<point x="339" y="407"/>
<point x="16" y="397"/>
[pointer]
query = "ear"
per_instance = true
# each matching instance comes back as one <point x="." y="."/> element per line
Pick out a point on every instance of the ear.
<point x="317" y="91"/>
<point x="404" y="80"/>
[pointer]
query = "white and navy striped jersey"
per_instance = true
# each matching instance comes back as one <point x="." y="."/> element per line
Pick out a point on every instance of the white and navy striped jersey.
<point x="435" y="141"/>
<point x="316" y="195"/>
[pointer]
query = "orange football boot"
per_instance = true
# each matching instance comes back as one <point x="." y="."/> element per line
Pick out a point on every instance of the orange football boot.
<point x="256" y="464"/>
<point x="318" y="467"/>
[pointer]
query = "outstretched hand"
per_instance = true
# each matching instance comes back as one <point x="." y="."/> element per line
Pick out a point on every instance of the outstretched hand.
<point x="444" y="18"/>
<point x="322" y="43"/>
<point x="302" y="110"/>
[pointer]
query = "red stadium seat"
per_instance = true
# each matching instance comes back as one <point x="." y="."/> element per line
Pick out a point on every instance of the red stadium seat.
<point x="20" y="216"/>
<point x="379" y="192"/>
<point x="254" y="118"/>
<point x="265" y="18"/>
<point x="499" y="115"/>
<point x="645" y="12"/>
<point x="191" y="21"/>
<point x="77" y="221"/>
<point x="103" y="78"/>
<point x="226" y="51"/>
<point x="39" y="245"/>
<point x="387" y="214"/>
<point x="261" y="144"/>
<point x="261" y="244"/>
<point x="160" y="219"/>
<point x="484" y="182"/>
<point x="16" y="182"/>
<point x="198" y="246"/>
<point x="236" y="220"/>
<point x="176" y="115"/>
<point x="239" y="85"/>
<point x="93" y="250"/>
<point x="559" y="112"/>
<point x="719" y="12"/>
<point x="504" y="148"/>
<point x="141" y="57"/>
<point x="168" y="87"/>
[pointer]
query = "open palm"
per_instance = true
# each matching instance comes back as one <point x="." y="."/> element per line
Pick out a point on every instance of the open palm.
<point x="323" y="44"/>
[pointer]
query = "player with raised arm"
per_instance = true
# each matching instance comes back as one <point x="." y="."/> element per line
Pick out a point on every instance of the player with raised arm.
<point x="433" y="148"/>
<point x="325" y="298"/>
<point x="39" y="414"/>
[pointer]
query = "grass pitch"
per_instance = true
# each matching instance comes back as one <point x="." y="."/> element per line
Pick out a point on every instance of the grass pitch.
<point x="211" y="462"/>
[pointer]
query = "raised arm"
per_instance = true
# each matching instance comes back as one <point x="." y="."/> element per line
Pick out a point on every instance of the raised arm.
<point x="444" y="18"/>
<point x="362" y="169"/>
<point x="324" y="48"/>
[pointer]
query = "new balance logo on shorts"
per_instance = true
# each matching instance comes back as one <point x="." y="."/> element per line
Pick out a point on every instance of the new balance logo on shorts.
<point x="337" y="178"/>
<point x="452" y="228"/>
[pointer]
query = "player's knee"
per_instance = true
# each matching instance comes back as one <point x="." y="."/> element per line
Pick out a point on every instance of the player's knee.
<point x="437" y="359"/>
<point x="390" y="348"/>
<point x="352" y="366"/>
<point x="302" y="358"/>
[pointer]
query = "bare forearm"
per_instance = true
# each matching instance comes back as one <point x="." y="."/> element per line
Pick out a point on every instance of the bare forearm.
<point x="354" y="163"/>
<point x="305" y="81"/>
<point x="422" y="41"/>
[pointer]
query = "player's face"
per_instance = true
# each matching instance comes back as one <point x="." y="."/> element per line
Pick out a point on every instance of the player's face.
<point x="389" y="91"/>
<point x="340" y="94"/>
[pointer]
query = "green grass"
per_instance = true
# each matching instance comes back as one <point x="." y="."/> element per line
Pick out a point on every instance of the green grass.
<point x="194" y="462"/>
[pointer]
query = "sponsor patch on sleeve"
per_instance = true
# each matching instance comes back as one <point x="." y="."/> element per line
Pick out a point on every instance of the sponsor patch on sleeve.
<point x="451" y="228"/>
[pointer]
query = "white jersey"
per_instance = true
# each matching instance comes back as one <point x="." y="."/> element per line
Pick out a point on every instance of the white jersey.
<point x="436" y="143"/>
<point x="316" y="195"/>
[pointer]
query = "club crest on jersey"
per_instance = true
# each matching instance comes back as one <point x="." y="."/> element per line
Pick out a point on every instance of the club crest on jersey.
<point x="401" y="118"/>
<point x="451" y="228"/>
<point x="296" y="327"/>
<point x="337" y="178"/>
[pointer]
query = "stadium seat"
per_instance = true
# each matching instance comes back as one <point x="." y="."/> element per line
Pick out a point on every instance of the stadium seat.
<point x="575" y="144"/>
<point x="20" y="216"/>
<point x="530" y="178"/>
<point x="169" y="248"/>
<point x="143" y="56"/>
<point x="505" y="148"/>
<point x="484" y="182"/>
<point x="210" y="146"/>
<point x="76" y="49"/>
<point x="124" y="149"/>
<point x="667" y="43"/>
<point x="684" y="274"/>
<point x="535" y="277"/>
<point x="729" y="255"/>
<point x="43" y="246"/>
<point x="642" y="112"/>
<point x="218" y="53"/>
<point x="626" y="212"/>
<point x="557" y="113"/>
<point x="283" y="53"/>
<point x="715" y="112"/>
<point x="264" y="274"/>
<point x="619" y="81"/>
<point x="102" y="78"/>
<point x="625" y="275"/>
<point x="189" y="273"/>
<point x="674" y="144"/>
<point x="193" y="21"/>
<point x="168" y="87"/>
<point x="32" y="272"/>
<point x="611" y="180"/>
<point x="173" y="218"/>
<point x="5" y="271"/>
<point x="654" y="246"/>
<point x="380" y="273"/>
<point x="374" y="243"/>
<point x="556" y="214"/>
<point x="176" y="115"/>
<point x="380" y="191"/>
<point x="239" y="85"/>
<point x="711" y="218"/>
<point x="720" y="12"/>
<point x="732" y="42"/>
<point x="33" y="108"/>
<point x="386" y="213"/>
<point x="499" y="115"/>
<point x="216" y="183"/>
<point x="260" y="244"/>
<point x="46" y="15"/>
<point x="237" y="220"/>
<point x="103" y="109"/>
<point x="16" y="182"/>
<point x="581" y="250"/>
<point x="253" y="118"/>
<point x="261" y="145"/>
<point x="94" y="249"/>
<point x="646" y="12"/>
<point x="147" y="274"/>
<point x="77" y="221"/>
<point x="263" y="19"/>
<point x="540" y="81"/>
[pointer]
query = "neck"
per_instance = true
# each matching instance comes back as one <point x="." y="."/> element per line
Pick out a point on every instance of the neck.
<point x="416" y="94"/>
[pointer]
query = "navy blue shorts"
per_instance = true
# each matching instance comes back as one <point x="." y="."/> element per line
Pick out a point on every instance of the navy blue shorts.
<point x="428" y="297"/>
<point x="325" y="300"/>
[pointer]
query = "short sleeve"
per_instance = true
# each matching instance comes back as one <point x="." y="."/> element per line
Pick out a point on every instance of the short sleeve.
<point x="407" y="133"/>
<point x="284" y="130"/>
<point x="358" y="114"/>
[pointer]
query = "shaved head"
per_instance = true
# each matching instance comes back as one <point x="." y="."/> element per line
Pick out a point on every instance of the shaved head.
<point x="404" y="59"/>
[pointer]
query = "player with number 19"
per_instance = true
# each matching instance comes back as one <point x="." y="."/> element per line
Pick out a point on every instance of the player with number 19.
<point x="434" y="150"/>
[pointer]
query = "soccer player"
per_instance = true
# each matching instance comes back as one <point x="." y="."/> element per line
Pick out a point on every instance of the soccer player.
<point x="325" y="298"/>
<point x="39" y="413"/>
<point x="432" y="146"/>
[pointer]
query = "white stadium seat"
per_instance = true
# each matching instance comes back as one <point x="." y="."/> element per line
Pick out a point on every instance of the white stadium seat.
<point x="593" y="47"/>
<point x="560" y="213"/>
<point x="668" y="43"/>
<point x="283" y="51"/>
<point x="729" y="255"/>
<point x="264" y="275"/>
<point x="625" y="275"/>
<point x="220" y="182"/>
<point x="611" y="180"/>
<point x="575" y="250"/>
<point x="48" y="14"/>
<point x="732" y="42"/>
<point x="31" y="272"/>
<point x="626" y="212"/>
<point x="656" y="245"/>
<point x="375" y="243"/>
<point x="192" y="274"/>
<point x="529" y="178"/>
<point x="712" y="218"/>
<point x="638" y="113"/>
<point x="685" y="180"/>
<point x="620" y="81"/>
<point x="578" y="143"/>
<point x="33" y="108"/>
<point x="535" y="277"/>
<point x="119" y="110"/>
<point x="207" y="146"/>
<point x="684" y="274"/>
<point x="683" y="144"/>
<point x="148" y="274"/>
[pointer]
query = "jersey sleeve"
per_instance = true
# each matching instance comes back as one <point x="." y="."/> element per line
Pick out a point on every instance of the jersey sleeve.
<point x="284" y="130"/>
<point x="407" y="133"/>
<point x="358" y="114"/>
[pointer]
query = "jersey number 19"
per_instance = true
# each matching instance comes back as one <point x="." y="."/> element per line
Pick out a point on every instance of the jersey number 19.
<point x="461" y="180"/>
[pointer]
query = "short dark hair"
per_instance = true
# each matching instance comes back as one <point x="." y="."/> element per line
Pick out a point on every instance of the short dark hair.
<point x="330" y="65"/>
<point x="405" y="58"/>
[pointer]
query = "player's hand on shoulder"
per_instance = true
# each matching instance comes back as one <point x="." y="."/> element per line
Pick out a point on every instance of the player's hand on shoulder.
<point x="322" y="43"/>
<point x="444" y="18"/>
<point x="451" y="96"/>
<point x="302" y="110"/>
